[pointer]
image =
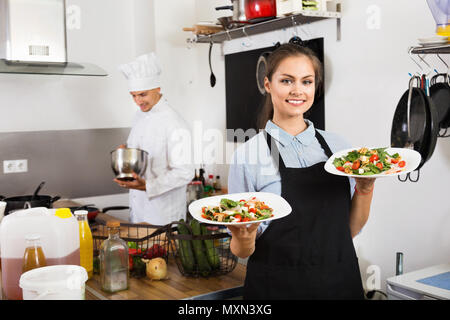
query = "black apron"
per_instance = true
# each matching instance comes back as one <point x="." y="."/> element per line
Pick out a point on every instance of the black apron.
<point x="309" y="254"/>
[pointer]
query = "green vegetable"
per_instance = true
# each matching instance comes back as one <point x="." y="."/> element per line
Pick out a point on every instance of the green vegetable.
<point x="199" y="250"/>
<point x="211" y="252"/>
<point x="230" y="204"/>
<point x="186" y="254"/>
<point x="132" y="245"/>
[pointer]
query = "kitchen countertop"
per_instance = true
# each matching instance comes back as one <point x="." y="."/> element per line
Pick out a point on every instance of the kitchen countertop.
<point x="176" y="287"/>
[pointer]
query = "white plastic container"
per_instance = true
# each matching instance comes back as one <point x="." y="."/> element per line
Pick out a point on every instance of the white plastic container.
<point x="62" y="282"/>
<point x="60" y="242"/>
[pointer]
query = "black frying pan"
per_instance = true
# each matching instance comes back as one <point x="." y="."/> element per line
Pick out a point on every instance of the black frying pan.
<point x="34" y="201"/>
<point x="440" y="95"/>
<point x="399" y="132"/>
<point x="422" y="130"/>
<point x="431" y="131"/>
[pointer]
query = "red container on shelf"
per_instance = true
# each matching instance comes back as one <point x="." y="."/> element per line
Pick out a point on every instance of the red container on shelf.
<point x="260" y="10"/>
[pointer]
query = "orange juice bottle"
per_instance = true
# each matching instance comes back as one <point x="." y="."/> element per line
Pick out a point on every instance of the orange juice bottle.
<point x="86" y="242"/>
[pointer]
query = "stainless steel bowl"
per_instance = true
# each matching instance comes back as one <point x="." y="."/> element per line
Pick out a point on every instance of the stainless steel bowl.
<point x="125" y="161"/>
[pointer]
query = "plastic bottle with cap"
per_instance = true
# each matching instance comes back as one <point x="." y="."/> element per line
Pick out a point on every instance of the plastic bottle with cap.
<point x="34" y="255"/>
<point x="86" y="242"/>
<point x="63" y="213"/>
<point x="114" y="269"/>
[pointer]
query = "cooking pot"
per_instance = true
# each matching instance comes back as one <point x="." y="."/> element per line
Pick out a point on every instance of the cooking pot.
<point x="33" y="201"/>
<point x="238" y="9"/>
<point x="260" y="10"/>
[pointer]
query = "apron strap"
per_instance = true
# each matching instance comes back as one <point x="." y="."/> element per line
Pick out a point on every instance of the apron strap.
<point x="324" y="144"/>
<point x="274" y="152"/>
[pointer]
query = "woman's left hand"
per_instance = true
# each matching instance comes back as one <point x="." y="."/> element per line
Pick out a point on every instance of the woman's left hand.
<point x="365" y="185"/>
<point x="138" y="183"/>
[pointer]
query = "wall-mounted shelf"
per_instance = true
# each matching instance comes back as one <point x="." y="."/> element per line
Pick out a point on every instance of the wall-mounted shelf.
<point x="443" y="49"/>
<point x="296" y="19"/>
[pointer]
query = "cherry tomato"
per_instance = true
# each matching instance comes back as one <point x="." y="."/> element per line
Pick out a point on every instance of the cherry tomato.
<point x="401" y="164"/>
<point x="203" y="209"/>
<point x="204" y="216"/>
<point x="252" y="210"/>
<point x="393" y="160"/>
<point x="340" y="168"/>
<point x="374" y="158"/>
<point x="379" y="165"/>
<point x="237" y="217"/>
<point x="245" y="219"/>
<point x="356" y="165"/>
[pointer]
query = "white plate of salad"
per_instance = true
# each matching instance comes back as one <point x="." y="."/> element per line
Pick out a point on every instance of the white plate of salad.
<point x="373" y="162"/>
<point x="240" y="208"/>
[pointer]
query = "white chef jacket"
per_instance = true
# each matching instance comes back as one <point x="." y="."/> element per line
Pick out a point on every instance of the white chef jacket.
<point x="158" y="132"/>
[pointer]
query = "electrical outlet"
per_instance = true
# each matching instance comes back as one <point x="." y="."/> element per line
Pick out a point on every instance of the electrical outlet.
<point x="15" y="166"/>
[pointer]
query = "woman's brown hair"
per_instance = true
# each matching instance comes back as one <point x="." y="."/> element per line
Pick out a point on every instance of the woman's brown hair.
<point x="273" y="61"/>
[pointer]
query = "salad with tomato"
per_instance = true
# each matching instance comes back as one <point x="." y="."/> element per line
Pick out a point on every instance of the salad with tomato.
<point x="367" y="162"/>
<point x="237" y="211"/>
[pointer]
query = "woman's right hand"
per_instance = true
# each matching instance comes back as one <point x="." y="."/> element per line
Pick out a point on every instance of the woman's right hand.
<point x="243" y="239"/>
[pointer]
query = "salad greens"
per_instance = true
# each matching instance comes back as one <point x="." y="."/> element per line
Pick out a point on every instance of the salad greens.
<point x="367" y="162"/>
<point x="238" y="211"/>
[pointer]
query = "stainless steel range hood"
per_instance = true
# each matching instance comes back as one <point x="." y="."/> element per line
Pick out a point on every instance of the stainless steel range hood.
<point x="33" y="39"/>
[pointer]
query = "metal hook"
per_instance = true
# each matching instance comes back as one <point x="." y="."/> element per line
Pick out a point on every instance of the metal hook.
<point x="294" y="25"/>
<point x="429" y="67"/>
<point x="245" y="33"/>
<point x="410" y="55"/>
<point x="228" y="33"/>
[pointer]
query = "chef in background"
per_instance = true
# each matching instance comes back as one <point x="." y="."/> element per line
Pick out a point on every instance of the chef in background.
<point x="159" y="197"/>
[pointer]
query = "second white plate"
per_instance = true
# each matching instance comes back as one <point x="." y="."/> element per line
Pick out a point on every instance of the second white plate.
<point x="411" y="157"/>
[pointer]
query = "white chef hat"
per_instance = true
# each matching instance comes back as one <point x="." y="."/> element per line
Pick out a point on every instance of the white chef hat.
<point x="143" y="73"/>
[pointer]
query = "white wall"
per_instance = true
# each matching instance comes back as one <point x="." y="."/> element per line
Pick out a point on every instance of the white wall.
<point x="366" y="73"/>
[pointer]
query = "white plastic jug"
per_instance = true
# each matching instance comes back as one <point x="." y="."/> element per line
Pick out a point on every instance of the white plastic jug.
<point x="60" y="242"/>
<point x="62" y="282"/>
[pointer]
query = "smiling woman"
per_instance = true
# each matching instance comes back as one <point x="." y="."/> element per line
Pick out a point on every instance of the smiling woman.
<point x="291" y="82"/>
<point x="312" y="248"/>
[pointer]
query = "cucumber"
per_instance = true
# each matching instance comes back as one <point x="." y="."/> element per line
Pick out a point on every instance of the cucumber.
<point x="186" y="254"/>
<point x="199" y="250"/>
<point x="211" y="252"/>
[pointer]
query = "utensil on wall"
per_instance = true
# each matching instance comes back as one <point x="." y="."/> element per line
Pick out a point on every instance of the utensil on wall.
<point x="212" y="77"/>
<point x="415" y="124"/>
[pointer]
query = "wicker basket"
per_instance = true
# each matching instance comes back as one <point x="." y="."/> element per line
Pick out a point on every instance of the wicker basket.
<point x="223" y="261"/>
<point x="145" y="237"/>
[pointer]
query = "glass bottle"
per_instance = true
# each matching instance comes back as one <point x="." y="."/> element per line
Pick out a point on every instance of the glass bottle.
<point x="217" y="184"/>
<point x="114" y="272"/>
<point x="34" y="255"/>
<point x="86" y="242"/>
<point x="202" y="178"/>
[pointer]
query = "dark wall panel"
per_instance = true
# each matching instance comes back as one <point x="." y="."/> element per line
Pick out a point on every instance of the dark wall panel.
<point x="73" y="163"/>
